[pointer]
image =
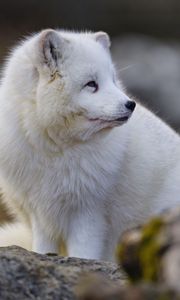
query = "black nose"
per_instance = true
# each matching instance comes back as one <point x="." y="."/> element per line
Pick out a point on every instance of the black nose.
<point x="130" y="105"/>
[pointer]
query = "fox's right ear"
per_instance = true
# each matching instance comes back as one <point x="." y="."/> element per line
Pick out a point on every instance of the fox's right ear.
<point x="103" y="38"/>
<point x="51" y="48"/>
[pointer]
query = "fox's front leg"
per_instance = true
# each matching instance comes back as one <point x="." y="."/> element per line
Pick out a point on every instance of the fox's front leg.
<point x="86" y="236"/>
<point x="42" y="242"/>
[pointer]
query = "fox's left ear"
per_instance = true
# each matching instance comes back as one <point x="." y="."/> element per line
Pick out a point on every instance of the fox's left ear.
<point x="51" y="47"/>
<point x="103" y="38"/>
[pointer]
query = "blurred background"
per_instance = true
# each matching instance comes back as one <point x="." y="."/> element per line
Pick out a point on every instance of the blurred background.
<point x="145" y="41"/>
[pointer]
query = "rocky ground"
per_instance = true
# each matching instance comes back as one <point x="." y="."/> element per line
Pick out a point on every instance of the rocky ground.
<point x="149" y="257"/>
<point x="27" y="275"/>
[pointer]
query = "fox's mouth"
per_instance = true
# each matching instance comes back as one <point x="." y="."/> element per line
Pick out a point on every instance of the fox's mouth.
<point x="115" y="120"/>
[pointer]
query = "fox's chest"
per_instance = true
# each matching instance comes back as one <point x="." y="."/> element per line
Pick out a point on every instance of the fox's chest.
<point x="57" y="184"/>
<point x="74" y="181"/>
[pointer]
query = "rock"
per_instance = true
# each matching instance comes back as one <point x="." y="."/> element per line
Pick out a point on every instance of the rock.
<point x="28" y="275"/>
<point x="97" y="288"/>
<point x="151" y="253"/>
<point x="171" y="268"/>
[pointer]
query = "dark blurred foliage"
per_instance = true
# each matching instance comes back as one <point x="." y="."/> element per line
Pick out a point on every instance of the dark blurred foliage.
<point x="159" y="17"/>
<point x="151" y="29"/>
<point x="155" y="17"/>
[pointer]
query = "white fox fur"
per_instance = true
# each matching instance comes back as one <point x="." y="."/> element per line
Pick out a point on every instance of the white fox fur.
<point x="67" y="166"/>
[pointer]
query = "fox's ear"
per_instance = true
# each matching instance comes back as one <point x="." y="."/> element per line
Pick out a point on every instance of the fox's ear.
<point x="103" y="38"/>
<point x="51" y="45"/>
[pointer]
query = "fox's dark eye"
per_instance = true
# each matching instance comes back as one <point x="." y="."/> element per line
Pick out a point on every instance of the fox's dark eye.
<point x="92" y="84"/>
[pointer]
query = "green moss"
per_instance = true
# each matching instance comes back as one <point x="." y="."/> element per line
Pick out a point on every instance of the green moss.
<point x="141" y="258"/>
<point x="150" y="249"/>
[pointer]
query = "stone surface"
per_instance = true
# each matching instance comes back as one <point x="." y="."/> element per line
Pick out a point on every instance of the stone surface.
<point x="97" y="288"/>
<point x="27" y="275"/>
<point x="150" y="255"/>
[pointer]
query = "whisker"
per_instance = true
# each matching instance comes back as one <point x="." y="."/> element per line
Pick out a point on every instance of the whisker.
<point x="126" y="68"/>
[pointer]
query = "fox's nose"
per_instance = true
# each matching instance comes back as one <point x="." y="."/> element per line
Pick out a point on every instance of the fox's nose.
<point x="130" y="105"/>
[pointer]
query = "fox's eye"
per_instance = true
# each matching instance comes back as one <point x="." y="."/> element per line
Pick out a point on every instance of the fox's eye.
<point x="93" y="85"/>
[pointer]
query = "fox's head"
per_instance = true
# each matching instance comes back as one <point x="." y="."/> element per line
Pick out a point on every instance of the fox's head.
<point x="69" y="83"/>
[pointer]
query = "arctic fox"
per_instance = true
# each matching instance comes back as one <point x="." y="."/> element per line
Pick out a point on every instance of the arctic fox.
<point x="74" y="163"/>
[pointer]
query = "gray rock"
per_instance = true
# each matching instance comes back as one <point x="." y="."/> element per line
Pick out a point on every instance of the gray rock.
<point x="149" y="254"/>
<point x="28" y="275"/>
<point x="97" y="288"/>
